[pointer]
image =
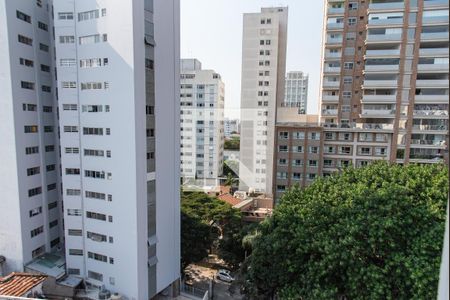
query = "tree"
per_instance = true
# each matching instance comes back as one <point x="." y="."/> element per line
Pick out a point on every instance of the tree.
<point x="204" y="221"/>
<point x="367" y="233"/>
<point x="231" y="167"/>
<point x="230" y="180"/>
<point x="232" y="144"/>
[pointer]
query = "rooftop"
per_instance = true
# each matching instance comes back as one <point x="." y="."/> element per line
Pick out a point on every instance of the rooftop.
<point x="229" y="199"/>
<point x="18" y="284"/>
<point x="51" y="264"/>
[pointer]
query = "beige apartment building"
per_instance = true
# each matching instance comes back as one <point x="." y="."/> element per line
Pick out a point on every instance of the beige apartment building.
<point x="384" y="90"/>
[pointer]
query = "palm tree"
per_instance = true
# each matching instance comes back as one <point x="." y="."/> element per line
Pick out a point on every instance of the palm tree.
<point x="230" y="181"/>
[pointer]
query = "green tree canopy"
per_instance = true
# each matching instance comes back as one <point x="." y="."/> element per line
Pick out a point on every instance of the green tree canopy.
<point x="367" y="233"/>
<point x="232" y="144"/>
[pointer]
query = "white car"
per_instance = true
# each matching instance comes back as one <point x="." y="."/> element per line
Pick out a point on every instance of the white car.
<point x="224" y="275"/>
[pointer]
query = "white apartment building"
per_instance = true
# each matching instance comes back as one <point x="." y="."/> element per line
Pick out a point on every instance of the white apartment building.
<point x="231" y="126"/>
<point x="296" y="91"/>
<point x="118" y="70"/>
<point x="30" y="184"/>
<point x="202" y="121"/>
<point x="262" y="91"/>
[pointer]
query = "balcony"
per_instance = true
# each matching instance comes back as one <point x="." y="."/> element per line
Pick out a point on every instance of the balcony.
<point x="337" y="40"/>
<point x="385" y="22"/>
<point x="433" y="67"/>
<point x="329" y="98"/>
<point x="335" y="11"/>
<point x="378" y="113"/>
<point x="434" y="20"/>
<point x="333" y="55"/>
<point x="332" y="69"/>
<point x="441" y="128"/>
<point x="438" y="143"/>
<point x="329" y="112"/>
<point x="432" y="83"/>
<point x="433" y="51"/>
<point x="431" y="99"/>
<point x="438" y="36"/>
<point x="386" y="6"/>
<point x="375" y="126"/>
<point x="435" y="3"/>
<point x="379" y="84"/>
<point x="381" y="68"/>
<point x="331" y="84"/>
<point x="335" y="26"/>
<point x="379" y="99"/>
<point x="377" y="38"/>
<point x="382" y="53"/>
<point x="432" y="114"/>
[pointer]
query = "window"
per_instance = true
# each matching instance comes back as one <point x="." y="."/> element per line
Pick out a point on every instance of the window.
<point x="92" y="131"/>
<point x="149" y="64"/>
<point x="92" y="39"/>
<point x="71" y="150"/>
<point x="35" y="211"/>
<point x="42" y="26"/>
<point x="78" y="252"/>
<point x="91" y="86"/>
<point x="352" y="21"/>
<point x="46" y="88"/>
<point x="282" y="148"/>
<point x="25" y="40"/>
<point x="313" y="163"/>
<point x="67" y="62"/>
<point x="31" y="128"/>
<point x="97" y="237"/>
<point x="94" y="174"/>
<point x="95" y="275"/>
<point x="348" y="80"/>
<point x="267" y="42"/>
<point x="73" y="192"/>
<point x="93" y="152"/>
<point x="24" y="17"/>
<point x="312" y="176"/>
<point x="72" y="171"/>
<point x="348" y="65"/>
<point x="314" y="136"/>
<point x="51" y="187"/>
<point x="53" y="223"/>
<point x="72" y="271"/>
<point x="96" y="216"/>
<point x="283" y="135"/>
<point x="48" y="129"/>
<point x="47" y="109"/>
<point x="26" y="62"/>
<point x="49" y="148"/>
<point x="65" y="16"/>
<point x="365" y="151"/>
<point x="52" y="205"/>
<point x="38" y="251"/>
<point x="92" y="62"/>
<point x="329" y="136"/>
<point x="27" y="85"/>
<point x="70" y="128"/>
<point x="31" y="150"/>
<point x="44" y="47"/>
<point x="345" y="150"/>
<point x="66" y="39"/>
<point x="92" y="108"/>
<point x="33" y="171"/>
<point x="297" y="163"/>
<point x="297" y="149"/>
<point x="353" y="6"/>
<point x="75" y="232"/>
<point x="95" y="195"/>
<point x="73" y="212"/>
<point x="50" y="168"/>
<point x="70" y="107"/>
<point x="29" y="107"/>
<point x="296" y="176"/>
<point x="97" y="256"/>
<point x="299" y="135"/>
<point x="313" y="149"/>
<point x="37" y="231"/>
<point x="88" y="15"/>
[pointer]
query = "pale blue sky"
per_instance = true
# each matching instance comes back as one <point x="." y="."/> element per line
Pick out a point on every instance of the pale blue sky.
<point x="211" y="31"/>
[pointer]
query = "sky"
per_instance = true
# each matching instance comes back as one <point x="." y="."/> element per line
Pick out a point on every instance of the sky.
<point x="211" y="31"/>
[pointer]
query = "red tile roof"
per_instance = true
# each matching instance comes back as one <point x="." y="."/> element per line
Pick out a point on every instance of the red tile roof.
<point x="18" y="284"/>
<point x="229" y="199"/>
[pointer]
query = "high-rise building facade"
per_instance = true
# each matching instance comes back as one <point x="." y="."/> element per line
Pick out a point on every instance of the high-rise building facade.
<point x="118" y="104"/>
<point x="31" y="222"/>
<point x="296" y="91"/>
<point x="262" y="91"/>
<point x="202" y="121"/>
<point x="385" y="71"/>
<point x="231" y="126"/>
<point x="106" y="132"/>
<point x="384" y="93"/>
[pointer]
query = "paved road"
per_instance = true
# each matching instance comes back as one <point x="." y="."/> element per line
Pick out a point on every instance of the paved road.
<point x="221" y="291"/>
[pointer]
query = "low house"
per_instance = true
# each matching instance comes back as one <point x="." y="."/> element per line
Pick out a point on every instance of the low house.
<point x="22" y="285"/>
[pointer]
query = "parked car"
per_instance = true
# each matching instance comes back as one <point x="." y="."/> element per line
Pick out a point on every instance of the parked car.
<point x="224" y="275"/>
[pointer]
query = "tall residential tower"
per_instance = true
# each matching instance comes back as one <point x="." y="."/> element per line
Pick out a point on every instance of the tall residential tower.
<point x="296" y="91"/>
<point x="262" y="91"/>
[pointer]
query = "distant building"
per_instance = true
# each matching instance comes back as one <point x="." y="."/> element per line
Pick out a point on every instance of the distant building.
<point x="262" y="90"/>
<point x="202" y="121"/>
<point x="296" y="91"/>
<point x="231" y="126"/>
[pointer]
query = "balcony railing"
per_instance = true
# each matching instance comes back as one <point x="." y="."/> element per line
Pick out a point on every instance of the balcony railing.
<point x="435" y="19"/>
<point x="426" y="156"/>
<point x="434" y="36"/>
<point x="431" y="127"/>
<point x="328" y="98"/>
<point x="375" y="126"/>
<point x="386" y="6"/>
<point x="379" y="98"/>
<point x="428" y="142"/>
<point x="333" y="84"/>
<point x="337" y="40"/>
<point x="379" y="83"/>
<point x="381" y="68"/>
<point x="333" y="55"/>
<point x="381" y="53"/>
<point x="432" y="98"/>
<point x="432" y="67"/>
<point x="432" y="83"/>
<point x="383" y="37"/>
<point x="429" y="3"/>
<point x="378" y="112"/>
<point x="380" y="22"/>
<point x="435" y="112"/>
<point x="332" y="69"/>
<point x="433" y="51"/>
<point x="336" y="11"/>
<point x="335" y="25"/>
<point x="329" y="112"/>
